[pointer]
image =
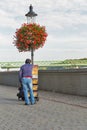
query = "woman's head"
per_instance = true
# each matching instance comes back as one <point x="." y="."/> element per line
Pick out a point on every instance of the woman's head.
<point x="27" y="61"/>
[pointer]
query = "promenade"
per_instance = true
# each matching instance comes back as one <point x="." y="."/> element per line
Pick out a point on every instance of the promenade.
<point x="53" y="111"/>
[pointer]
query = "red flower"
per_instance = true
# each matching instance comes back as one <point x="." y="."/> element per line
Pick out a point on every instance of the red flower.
<point x="30" y="36"/>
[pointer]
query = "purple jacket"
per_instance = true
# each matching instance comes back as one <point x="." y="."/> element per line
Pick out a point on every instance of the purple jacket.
<point x="25" y="71"/>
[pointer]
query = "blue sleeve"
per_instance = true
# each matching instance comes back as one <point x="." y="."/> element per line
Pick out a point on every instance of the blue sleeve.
<point x="20" y="75"/>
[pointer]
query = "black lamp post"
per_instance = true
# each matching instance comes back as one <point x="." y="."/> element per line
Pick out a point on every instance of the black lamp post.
<point x="31" y="15"/>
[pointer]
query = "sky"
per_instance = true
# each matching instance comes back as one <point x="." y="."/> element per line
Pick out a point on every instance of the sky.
<point x="65" y="22"/>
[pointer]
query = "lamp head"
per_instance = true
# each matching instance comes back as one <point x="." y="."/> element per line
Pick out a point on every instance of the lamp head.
<point x="31" y="13"/>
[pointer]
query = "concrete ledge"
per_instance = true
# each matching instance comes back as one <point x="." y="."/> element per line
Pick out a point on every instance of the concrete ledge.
<point x="9" y="78"/>
<point x="69" y="81"/>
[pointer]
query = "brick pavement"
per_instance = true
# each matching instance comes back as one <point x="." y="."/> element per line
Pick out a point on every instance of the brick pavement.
<point x="53" y="111"/>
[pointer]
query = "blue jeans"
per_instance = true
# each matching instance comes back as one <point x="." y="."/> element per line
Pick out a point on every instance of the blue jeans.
<point x="27" y="86"/>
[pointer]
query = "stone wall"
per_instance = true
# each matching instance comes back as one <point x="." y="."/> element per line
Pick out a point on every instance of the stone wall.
<point x="62" y="81"/>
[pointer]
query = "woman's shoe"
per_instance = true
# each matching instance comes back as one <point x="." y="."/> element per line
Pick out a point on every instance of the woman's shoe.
<point x="33" y="103"/>
<point x="27" y="104"/>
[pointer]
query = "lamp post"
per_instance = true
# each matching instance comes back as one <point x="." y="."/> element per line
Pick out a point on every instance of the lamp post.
<point x="31" y="15"/>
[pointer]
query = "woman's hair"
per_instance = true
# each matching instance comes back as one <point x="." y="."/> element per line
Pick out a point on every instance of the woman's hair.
<point x="27" y="61"/>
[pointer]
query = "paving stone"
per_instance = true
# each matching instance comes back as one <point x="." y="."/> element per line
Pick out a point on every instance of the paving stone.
<point x="53" y="111"/>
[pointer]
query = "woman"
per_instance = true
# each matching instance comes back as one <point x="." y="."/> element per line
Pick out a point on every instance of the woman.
<point x="25" y="77"/>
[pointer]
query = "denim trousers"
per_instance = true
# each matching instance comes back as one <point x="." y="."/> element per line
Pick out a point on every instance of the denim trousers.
<point x="27" y="86"/>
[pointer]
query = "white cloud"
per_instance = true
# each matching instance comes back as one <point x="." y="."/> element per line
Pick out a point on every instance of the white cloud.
<point x="65" y="21"/>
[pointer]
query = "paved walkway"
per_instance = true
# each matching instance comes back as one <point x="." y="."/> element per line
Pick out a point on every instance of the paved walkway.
<point x="52" y="112"/>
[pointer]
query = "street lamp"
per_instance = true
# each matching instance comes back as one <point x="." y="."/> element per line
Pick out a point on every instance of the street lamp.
<point x="31" y="15"/>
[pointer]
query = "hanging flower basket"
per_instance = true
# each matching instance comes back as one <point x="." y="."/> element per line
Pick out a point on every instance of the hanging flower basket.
<point x="30" y="36"/>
